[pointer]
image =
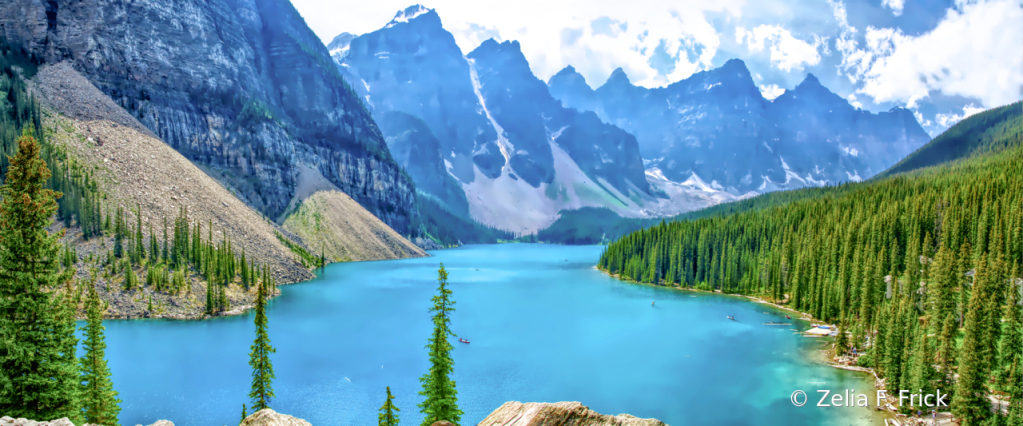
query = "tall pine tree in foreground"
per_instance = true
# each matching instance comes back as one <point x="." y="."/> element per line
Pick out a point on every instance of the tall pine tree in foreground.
<point x="970" y="403"/>
<point x="262" y="370"/>
<point x="99" y="399"/>
<point x="388" y="412"/>
<point x="441" y="401"/>
<point x="38" y="368"/>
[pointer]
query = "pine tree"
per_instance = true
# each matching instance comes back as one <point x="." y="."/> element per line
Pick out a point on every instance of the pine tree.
<point x="209" y="299"/>
<point x="388" y="412"/>
<point x="970" y="403"/>
<point x="262" y="369"/>
<point x="441" y="403"/>
<point x="99" y="399"/>
<point x="131" y="281"/>
<point x="35" y="338"/>
<point x="244" y="413"/>
<point x="841" y="341"/>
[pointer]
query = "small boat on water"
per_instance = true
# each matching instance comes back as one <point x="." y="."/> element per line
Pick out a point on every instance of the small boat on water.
<point x="787" y="317"/>
<point x="463" y="340"/>
<point x="731" y="318"/>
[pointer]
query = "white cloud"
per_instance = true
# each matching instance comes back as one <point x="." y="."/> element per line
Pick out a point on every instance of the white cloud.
<point x="771" y="91"/>
<point x="950" y="119"/>
<point x="973" y="52"/>
<point x="895" y="5"/>
<point x="787" y="52"/>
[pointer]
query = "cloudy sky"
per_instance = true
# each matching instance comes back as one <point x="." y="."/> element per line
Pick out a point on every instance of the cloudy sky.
<point x="944" y="59"/>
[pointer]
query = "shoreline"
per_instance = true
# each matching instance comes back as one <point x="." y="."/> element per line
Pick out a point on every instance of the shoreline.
<point x="818" y="355"/>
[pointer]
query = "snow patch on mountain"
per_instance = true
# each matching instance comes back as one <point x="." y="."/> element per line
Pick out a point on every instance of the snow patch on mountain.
<point x="502" y="141"/>
<point x="689" y="195"/>
<point x="511" y="204"/>
<point x="410" y="13"/>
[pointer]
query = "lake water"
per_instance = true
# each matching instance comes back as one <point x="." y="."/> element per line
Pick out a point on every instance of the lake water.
<point x="544" y="326"/>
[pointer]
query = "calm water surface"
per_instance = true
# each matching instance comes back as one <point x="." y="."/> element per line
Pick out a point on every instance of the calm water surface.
<point x="544" y="326"/>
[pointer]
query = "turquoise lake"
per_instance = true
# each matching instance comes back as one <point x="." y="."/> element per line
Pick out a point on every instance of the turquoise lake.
<point x="545" y="325"/>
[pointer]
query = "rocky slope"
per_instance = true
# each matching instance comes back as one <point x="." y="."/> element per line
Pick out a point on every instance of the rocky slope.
<point x="515" y="413"/>
<point x="331" y="223"/>
<point x="242" y="87"/>
<point x="134" y="169"/>
<point x="717" y="126"/>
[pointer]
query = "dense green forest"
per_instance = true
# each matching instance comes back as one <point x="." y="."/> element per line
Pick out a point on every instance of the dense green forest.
<point x="923" y="268"/>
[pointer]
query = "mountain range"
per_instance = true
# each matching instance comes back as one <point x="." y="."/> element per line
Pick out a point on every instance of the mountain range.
<point x="518" y="151"/>
<point x="401" y="116"/>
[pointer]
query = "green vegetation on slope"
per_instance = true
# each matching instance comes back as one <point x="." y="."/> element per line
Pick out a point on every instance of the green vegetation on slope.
<point x="81" y="200"/>
<point x="993" y="130"/>
<point x="905" y="263"/>
<point x="447" y="228"/>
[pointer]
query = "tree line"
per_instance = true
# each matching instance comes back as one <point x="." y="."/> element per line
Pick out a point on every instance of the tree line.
<point x="923" y="269"/>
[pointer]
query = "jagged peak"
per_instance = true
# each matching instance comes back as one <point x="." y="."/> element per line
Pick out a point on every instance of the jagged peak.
<point x="569" y="77"/>
<point x="810" y="80"/>
<point x="618" y="76"/>
<point x="568" y="70"/>
<point x="490" y="45"/>
<point x="736" y="64"/>
<point x="410" y="13"/>
<point x="341" y="41"/>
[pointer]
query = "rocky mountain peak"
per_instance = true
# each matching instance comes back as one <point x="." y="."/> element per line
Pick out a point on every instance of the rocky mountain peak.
<point x="339" y="45"/>
<point x="618" y="78"/>
<point x="416" y="12"/>
<point x="567" y="74"/>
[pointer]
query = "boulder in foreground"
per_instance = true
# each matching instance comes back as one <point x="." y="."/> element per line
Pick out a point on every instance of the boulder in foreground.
<point x="268" y="417"/>
<point x="515" y="413"/>
<point x="7" y="421"/>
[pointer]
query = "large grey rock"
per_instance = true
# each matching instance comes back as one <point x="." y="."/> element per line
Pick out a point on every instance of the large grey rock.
<point x="7" y="421"/>
<point x="268" y="417"/>
<point x="242" y="87"/>
<point x="515" y="413"/>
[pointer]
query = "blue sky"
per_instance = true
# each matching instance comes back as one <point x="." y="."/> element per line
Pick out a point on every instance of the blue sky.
<point x="944" y="59"/>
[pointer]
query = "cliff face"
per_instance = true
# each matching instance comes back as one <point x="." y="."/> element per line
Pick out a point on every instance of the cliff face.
<point x="242" y="87"/>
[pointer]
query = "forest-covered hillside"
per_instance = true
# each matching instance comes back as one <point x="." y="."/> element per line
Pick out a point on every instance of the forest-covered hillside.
<point x="922" y="268"/>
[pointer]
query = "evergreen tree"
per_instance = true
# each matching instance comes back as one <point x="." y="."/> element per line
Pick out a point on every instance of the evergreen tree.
<point x="841" y="341"/>
<point x="99" y="399"/>
<point x="388" y="412"/>
<point x="441" y="403"/>
<point x="37" y="371"/>
<point x="210" y="307"/>
<point x="244" y="414"/>
<point x="262" y="369"/>
<point x="970" y="403"/>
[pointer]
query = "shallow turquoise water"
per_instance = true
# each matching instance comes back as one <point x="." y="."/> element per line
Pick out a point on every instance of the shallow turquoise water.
<point x="544" y="326"/>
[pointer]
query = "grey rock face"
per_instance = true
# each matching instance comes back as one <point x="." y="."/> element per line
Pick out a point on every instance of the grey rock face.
<point x="717" y="124"/>
<point x="240" y="86"/>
